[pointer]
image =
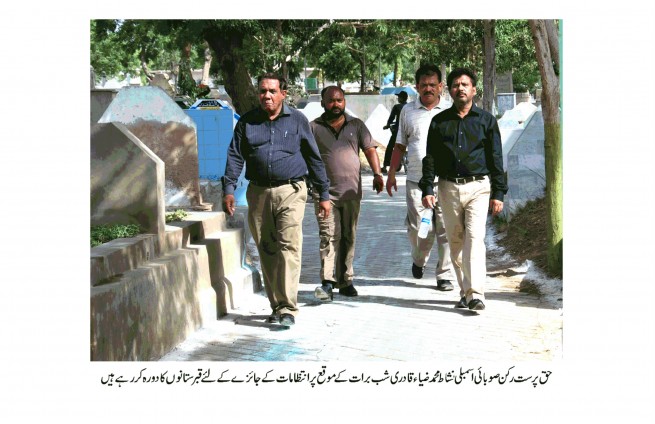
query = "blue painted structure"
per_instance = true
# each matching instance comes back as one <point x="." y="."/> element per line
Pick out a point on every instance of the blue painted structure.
<point x="215" y="122"/>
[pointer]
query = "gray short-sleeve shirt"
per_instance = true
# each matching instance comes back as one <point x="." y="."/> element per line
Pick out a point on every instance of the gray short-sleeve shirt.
<point x="340" y="154"/>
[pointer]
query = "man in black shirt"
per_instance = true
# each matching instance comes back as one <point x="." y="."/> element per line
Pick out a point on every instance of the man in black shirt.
<point x="392" y="123"/>
<point x="279" y="150"/>
<point x="464" y="150"/>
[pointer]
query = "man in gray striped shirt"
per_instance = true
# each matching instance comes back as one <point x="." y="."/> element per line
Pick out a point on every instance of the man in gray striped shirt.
<point x="413" y="128"/>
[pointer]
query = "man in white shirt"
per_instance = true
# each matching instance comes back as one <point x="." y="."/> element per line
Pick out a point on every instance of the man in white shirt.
<point x="413" y="128"/>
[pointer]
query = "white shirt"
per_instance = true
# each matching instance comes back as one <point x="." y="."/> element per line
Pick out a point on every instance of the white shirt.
<point x="413" y="127"/>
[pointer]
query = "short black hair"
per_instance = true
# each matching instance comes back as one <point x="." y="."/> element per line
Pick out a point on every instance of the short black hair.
<point x="402" y="95"/>
<point x="458" y="72"/>
<point x="427" y="69"/>
<point x="324" y="90"/>
<point x="272" y="75"/>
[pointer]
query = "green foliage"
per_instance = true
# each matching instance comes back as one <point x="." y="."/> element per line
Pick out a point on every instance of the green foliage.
<point x="515" y="52"/>
<point x="119" y="47"/>
<point x="342" y="49"/>
<point x="178" y="215"/>
<point x="186" y="86"/>
<point x="103" y="233"/>
<point x="108" y="56"/>
<point x="337" y="63"/>
<point x="295" y="92"/>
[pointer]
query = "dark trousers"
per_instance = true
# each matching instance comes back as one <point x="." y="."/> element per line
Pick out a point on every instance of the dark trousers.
<point x="389" y="151"/>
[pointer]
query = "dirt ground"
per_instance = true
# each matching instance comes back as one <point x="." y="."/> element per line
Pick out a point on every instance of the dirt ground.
<point x="525" y="235"/>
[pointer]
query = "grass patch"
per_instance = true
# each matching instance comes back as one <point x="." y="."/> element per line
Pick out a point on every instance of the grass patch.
<point x="178" y="215"/>
<point x="103" y="233"/>
<point x="529" y="287"/>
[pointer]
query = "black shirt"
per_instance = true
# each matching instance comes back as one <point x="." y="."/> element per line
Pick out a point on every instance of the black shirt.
<point x="276" y="150"/>
<point x="394" y="116"/>
<point x="464" y="147"/>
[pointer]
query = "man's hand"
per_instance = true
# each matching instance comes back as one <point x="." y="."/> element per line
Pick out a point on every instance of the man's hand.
<point x="495" y="206"/>
<point x="229" y="205"/>
<point x="378" y="183"/>
<point x="324" y="207"/>
<point x="391" y="182"/>
<point x="429" y="201"/>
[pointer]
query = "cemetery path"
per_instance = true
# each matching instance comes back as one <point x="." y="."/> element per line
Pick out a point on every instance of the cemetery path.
<point x="395" y="317"/>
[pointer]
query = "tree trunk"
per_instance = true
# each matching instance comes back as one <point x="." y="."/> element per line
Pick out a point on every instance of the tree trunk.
<point x="362" y="70"/>
<point x="553" y="43"/>
<point x="550" y="104"/>
<point x="238" y="82"/>
<point x="206" y="66"/>
<point x="144" y="66"/>
<point x="395" y="71"/>
<point x="489" y="77"/>
<point x="284" y="71"/>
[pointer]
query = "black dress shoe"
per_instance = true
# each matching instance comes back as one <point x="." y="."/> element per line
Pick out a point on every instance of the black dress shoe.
<point x="417" y="271"/>
<point x="476" y="305"/>
<point x="287" y="320"/>
<point x="348" y="291"/>
<point x="324" y="292"/>
<point x="273" y="318"/>
<point x="462" y="303"/>
<point x="444" y="285"/>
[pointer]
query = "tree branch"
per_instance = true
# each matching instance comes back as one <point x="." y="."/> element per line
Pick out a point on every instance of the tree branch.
<point x="323" y="27"/>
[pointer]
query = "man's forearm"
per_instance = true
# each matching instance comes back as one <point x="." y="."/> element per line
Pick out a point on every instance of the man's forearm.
<point x="396" y="157"/>
<point x="373" y="159"/>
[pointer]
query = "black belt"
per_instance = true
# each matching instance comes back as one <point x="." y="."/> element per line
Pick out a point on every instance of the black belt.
<point x="463" y="180"/>
<point x="276" y="183"/>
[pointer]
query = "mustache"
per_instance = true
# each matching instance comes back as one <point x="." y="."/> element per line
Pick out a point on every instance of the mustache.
<point x="336" y="110"/>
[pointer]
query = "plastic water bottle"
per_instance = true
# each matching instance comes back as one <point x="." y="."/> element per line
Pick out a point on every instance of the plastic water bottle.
<point x="426" y="223"/>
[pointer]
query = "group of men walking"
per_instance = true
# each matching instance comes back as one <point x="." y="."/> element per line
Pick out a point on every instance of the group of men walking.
<point x="458" y="143"/>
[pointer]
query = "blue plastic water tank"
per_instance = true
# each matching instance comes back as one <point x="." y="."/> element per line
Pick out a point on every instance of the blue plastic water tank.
<point x="215" y="122"/>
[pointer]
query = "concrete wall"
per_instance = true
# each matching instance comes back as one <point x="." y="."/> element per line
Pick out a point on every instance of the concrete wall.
<point x="364" y="105"/>
<point x="151" y="115"/>
<point x="127" y="180"/>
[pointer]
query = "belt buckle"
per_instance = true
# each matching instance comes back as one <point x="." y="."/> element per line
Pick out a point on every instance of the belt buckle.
<point x="460" y="180"/>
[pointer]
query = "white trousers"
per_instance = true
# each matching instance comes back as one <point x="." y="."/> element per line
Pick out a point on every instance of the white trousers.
<point x="421" y="248"/>
<point x="465" y="208"/>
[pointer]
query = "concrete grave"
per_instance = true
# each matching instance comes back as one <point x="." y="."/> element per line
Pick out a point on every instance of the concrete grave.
<point x="363" y="105"/>
<point x="526" y="166"/>
<point x="505" y="101"/>
<point x="127" y="180"/>
<point x="101" y="98"/>
<point x="313" y="110"/>
<point x="152" y="116"/>
<point x="376" y="121"/>
<point x="504" y="83"/>
<point x="522" y="97"/>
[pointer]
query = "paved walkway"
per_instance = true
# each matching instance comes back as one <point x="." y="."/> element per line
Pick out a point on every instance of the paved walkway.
<point x="395" y="317"/>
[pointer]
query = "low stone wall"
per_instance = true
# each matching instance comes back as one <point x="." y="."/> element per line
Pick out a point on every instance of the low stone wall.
<point x="148" y="296"/>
